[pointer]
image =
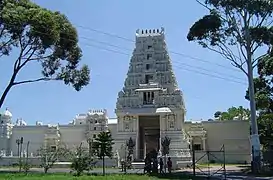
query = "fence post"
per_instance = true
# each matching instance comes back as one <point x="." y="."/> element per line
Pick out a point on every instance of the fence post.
<point x="208" y="155"/>
<point x="224" y="156"/>
<point x="193" y="162"/>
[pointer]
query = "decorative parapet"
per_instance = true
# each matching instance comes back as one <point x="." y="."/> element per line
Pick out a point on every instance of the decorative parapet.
<point x="97" y="112"/>
<point x="52" y="135"/>
<point x="149" y="32"/>
<point x="197" y="129"/>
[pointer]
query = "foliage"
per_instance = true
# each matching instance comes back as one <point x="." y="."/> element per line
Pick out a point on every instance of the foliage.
<point x="30" y="34"/>
<point x="81" y="161"/>
<point x="240" y="31"/>
<point x="26" y="167"/>
<point x="236" y="29"/>
<point x="165" y="142"/>
<point x="233" y="113"/>
<point x="103" y="146"/>
<point x="49" y="156"/>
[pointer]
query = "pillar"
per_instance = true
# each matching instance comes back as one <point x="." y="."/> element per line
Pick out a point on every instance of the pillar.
<point x="160" y="131"/>
<point x="145" y="146"/>
<point x="204" y="143"/>
<point x="137" y="137"/>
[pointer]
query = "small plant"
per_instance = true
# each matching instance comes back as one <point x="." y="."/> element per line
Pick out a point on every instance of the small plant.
<point x="26" y="167"/>
<point x="81" y="161"/>
<point x="50" y="155"/>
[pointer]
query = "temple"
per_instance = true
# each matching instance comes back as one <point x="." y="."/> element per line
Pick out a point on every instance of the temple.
<point x="149" y="108"/>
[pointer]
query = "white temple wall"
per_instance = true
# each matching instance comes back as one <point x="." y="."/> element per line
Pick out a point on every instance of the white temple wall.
<point x="34" y="134"/>
<point x="72" y="136"/>
<point x="233" y="134"/>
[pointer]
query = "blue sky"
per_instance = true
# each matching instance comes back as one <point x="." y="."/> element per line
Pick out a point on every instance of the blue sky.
<point x="54" y="102"/>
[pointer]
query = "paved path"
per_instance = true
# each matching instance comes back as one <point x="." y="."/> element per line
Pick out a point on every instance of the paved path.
<point x="232" y="173"/>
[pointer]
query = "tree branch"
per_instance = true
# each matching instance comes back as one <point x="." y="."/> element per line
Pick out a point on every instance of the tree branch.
<point x="27" y="59"/>
<point x="229" y="58"/>
<point x="202" y="4"/>
<point x="17" y="63"/>
<point x="34" y="80"/>
<point x="256" y="61"/>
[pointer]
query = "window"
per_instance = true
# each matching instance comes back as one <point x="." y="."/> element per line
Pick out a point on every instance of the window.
<point x="95" y="128"/>
<point x="197" y="147"/>
<point x="148" y="98"/>
<point x="96" y="121"/>
<point x="149" y="56"/>
<point x="171" y="124"/>
<point x="2" y="122"/>
<point x="94" y="136"/>
<point x="147" y="66"/>
<point x="148" y="78"/>
<point x="149" y="46"/>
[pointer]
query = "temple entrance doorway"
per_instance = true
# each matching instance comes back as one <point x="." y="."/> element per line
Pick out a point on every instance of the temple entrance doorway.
<point x="149" y="135"/>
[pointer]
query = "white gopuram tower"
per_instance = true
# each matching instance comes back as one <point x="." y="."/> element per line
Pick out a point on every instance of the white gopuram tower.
<point x="150" y="106"/>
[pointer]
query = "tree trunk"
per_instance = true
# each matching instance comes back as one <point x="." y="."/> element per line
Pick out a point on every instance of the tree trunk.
<point x="4" y="95"/>
<point x="255" y="141"/>
<point x="103" y="166"/>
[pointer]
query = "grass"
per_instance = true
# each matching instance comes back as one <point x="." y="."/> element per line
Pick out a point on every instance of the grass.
<point x="17" y="176"/>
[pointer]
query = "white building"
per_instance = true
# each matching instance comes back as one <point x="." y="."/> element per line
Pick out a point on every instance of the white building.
<point x="149" y="107"/>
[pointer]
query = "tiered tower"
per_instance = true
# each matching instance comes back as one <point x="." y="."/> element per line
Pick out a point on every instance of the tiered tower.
<point x="5" y="132"/>
<point x="150" y="105"/>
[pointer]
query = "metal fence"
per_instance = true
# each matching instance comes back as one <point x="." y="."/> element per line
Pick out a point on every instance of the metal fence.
<point x="267" y="161"/>
<point x="202" y="160"/>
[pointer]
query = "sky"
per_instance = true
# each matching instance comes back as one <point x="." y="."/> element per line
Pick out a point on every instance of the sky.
<point x="108" y="57"/>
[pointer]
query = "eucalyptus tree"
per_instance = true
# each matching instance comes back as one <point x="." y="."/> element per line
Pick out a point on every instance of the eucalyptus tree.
<point x="241" y="31"/>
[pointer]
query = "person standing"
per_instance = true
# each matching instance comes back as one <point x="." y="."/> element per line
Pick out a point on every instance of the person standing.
<point x="170" y="164"/>
<point x="161" y="164"/>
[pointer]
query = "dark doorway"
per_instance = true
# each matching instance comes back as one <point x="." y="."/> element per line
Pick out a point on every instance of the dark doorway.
<point x="149" y="135"/>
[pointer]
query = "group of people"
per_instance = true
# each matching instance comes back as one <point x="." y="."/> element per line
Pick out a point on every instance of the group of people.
<point x="151" y="165"/>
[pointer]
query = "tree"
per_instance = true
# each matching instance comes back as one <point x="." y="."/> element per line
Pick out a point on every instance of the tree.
<point x="238" y="30"/>
<point x="51" y="155"/>
<point x="81" y="160"/>
<point x="103" y="146"/>
<point x="233" y="113"/>
<point x="36" y="35"/>
<point x="165" y="143"/>
<point x="217" y="114"/>
<point x="264" y="100"/>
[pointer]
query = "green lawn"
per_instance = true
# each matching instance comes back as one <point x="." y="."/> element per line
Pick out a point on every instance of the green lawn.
<point x="7" y="176"/>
